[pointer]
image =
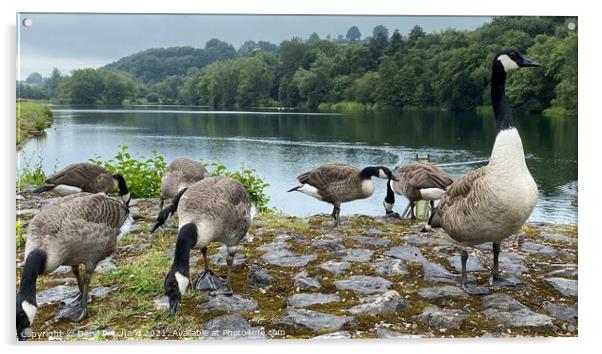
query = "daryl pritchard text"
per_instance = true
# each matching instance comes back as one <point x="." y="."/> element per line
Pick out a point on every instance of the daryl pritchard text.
<point x="199" y="333"/>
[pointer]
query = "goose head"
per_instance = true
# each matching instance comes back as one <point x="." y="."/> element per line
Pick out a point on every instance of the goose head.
<point x="510" y="60"/>
<point x="379" y="172"/>
<point x="26" y="312"/>
<point x="175" y="285"/>
<point x="124" y="193"/>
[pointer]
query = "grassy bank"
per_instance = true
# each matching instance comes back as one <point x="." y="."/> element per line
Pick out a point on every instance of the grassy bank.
<point x="32" y="119"/>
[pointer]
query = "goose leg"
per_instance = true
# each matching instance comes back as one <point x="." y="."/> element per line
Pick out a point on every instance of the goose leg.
<point x="467" y="286"/>
<point x="336" y="213"/>
<point x="496" y="279"/>
<point x="226" y="288"/>
<point x="413" y="215"/>
<point x="72" y="304"/>
<point x="79" y="309"/>
<point x="161" y="204"/>
<point x="207" y="279"/>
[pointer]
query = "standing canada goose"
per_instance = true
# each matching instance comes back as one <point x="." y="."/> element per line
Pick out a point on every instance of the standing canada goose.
<point x="337" y="183"/>
<point x="78" y="229"/>
<point x="417" y="181"/>
<point x="84" y="177"/>
<point x="492" y="202"/>
<point x="181" y="173"/>
<point x="213" y="209"/>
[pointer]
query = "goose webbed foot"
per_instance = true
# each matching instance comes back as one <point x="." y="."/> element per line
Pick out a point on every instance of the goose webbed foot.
<point x="474" y="289"/>
<point x="208" y="280"/>
<point x="510" y="281"/>
<point x="223" y="290"/>
<point x="73" y="311"/>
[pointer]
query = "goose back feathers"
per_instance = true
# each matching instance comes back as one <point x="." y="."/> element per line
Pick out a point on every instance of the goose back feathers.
<point x="84" y="176"/>
<point x="337" y="183"/>
<point x="79" y="229"/>
<point x="181" y="173"/>
<point x="417" y="176"/>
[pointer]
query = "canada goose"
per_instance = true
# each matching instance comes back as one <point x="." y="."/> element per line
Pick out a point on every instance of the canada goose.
<point x="180" y="173"/>
<point x="417" y="181"/>
<point x="212" y="209"/>
<point x="84" y="177"/>
<point x="78" y="229"/>
<point x="494" y="201"/>
<point x="337" y="183"/>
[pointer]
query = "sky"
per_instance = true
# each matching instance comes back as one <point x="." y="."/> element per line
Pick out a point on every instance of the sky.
<point x="73" y="41"/>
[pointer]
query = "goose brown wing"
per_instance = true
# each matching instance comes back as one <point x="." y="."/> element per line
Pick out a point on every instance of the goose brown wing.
<point x="190" y="169"/>
<point x="78" y="174"/>
<point x="462" y="196"/>
<point x="425" y="175"/>
<point x="330" y="179"/>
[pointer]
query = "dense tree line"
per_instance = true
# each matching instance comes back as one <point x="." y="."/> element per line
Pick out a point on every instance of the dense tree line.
<point x="448" y="69"/>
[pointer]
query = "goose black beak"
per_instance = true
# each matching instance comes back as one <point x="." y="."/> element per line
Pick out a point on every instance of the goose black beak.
<point x="173" y="306"/>
<point x="155" y="227"/>
<point x="526" y="63"/>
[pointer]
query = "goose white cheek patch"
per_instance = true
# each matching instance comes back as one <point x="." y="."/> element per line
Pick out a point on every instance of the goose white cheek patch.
<point x="183" y="282"/>
<point x="508" y="63"/>
<point x="30" y="311"/>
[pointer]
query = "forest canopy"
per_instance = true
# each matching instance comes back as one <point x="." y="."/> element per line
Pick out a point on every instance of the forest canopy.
<point x="445" y="70"/>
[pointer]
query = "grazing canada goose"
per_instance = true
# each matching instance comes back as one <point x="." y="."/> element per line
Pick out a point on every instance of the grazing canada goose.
<point x="337" y="183"/>
<point x="78" y="229"/>
<point x="213" y="209"/>
<point x="180" y="173"/>
<point x="417" y="181"/>
<point x="85" y="177"/>
<point x="492" y="202"/>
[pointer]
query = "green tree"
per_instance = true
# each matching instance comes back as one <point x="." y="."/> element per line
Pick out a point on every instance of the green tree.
<point x="86" y="86"/>
<point x="380" y="30"/>
<point x="353" y="34"/>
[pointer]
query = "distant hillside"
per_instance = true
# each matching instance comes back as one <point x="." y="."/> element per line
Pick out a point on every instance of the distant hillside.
<point x="154" y="65"/>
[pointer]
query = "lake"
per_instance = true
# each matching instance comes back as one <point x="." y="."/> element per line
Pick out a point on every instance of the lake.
<point x="280" y="145"/>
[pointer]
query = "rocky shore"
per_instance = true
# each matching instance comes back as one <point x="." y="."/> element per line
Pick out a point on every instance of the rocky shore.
<point x="302" y="278"/>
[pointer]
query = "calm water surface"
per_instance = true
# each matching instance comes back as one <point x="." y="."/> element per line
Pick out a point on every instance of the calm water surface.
<point x="280" y="145"/>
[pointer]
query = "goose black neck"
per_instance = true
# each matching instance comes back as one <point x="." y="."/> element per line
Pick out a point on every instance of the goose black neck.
<point x="123" y="188"/>
<point x="369" y="172"/>
<point x="499" y="101"/>
<point x="187" y="238"/>
<point x="34" y="266"/>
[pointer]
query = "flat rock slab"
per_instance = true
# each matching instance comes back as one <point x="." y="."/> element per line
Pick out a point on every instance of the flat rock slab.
<point x="389" y="334"/>
<point x="442" y="292"/>
<point x="334" y="335"/>
<point x="408" y="254"/>
<point x="234" y="303"/>
<point x="561" y="311"/>
<point x="424" y="240"/>
<point x="64" y="292"/>
<point x="335" y="267"/>
<point x="363" y="284"/>
<point x="567" y="287"/>
<point x="439" y="318"/>
<point x="512" y="263"/>
<point x="387" y="302"/>
<point x="232" y="327"/>
<point x="354" y="254"/>
<point x="258" y="278"/>
<point x="436" y="273"/>
<point x="331" y="241"/>
<point x="562" y="270"/>
<point x="305" y="300"/>
<point x="303" y="281"/>
<point x="538" y="249"/>
<point x="511" y="313"/>
<point x="558" y="238"/>
<point x="315" y="321"/>
<point x="286" y="258"/>
<point x="220" y="258"/>
<point x="472" y="264"/>
<point x="390" y="267"/>
<point x="371" y="241"/>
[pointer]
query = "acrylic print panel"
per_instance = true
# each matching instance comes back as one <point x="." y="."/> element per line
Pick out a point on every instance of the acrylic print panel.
<point x="148" y="111"/>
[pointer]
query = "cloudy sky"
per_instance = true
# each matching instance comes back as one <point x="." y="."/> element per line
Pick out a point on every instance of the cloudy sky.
<point x="71" y="41"/>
